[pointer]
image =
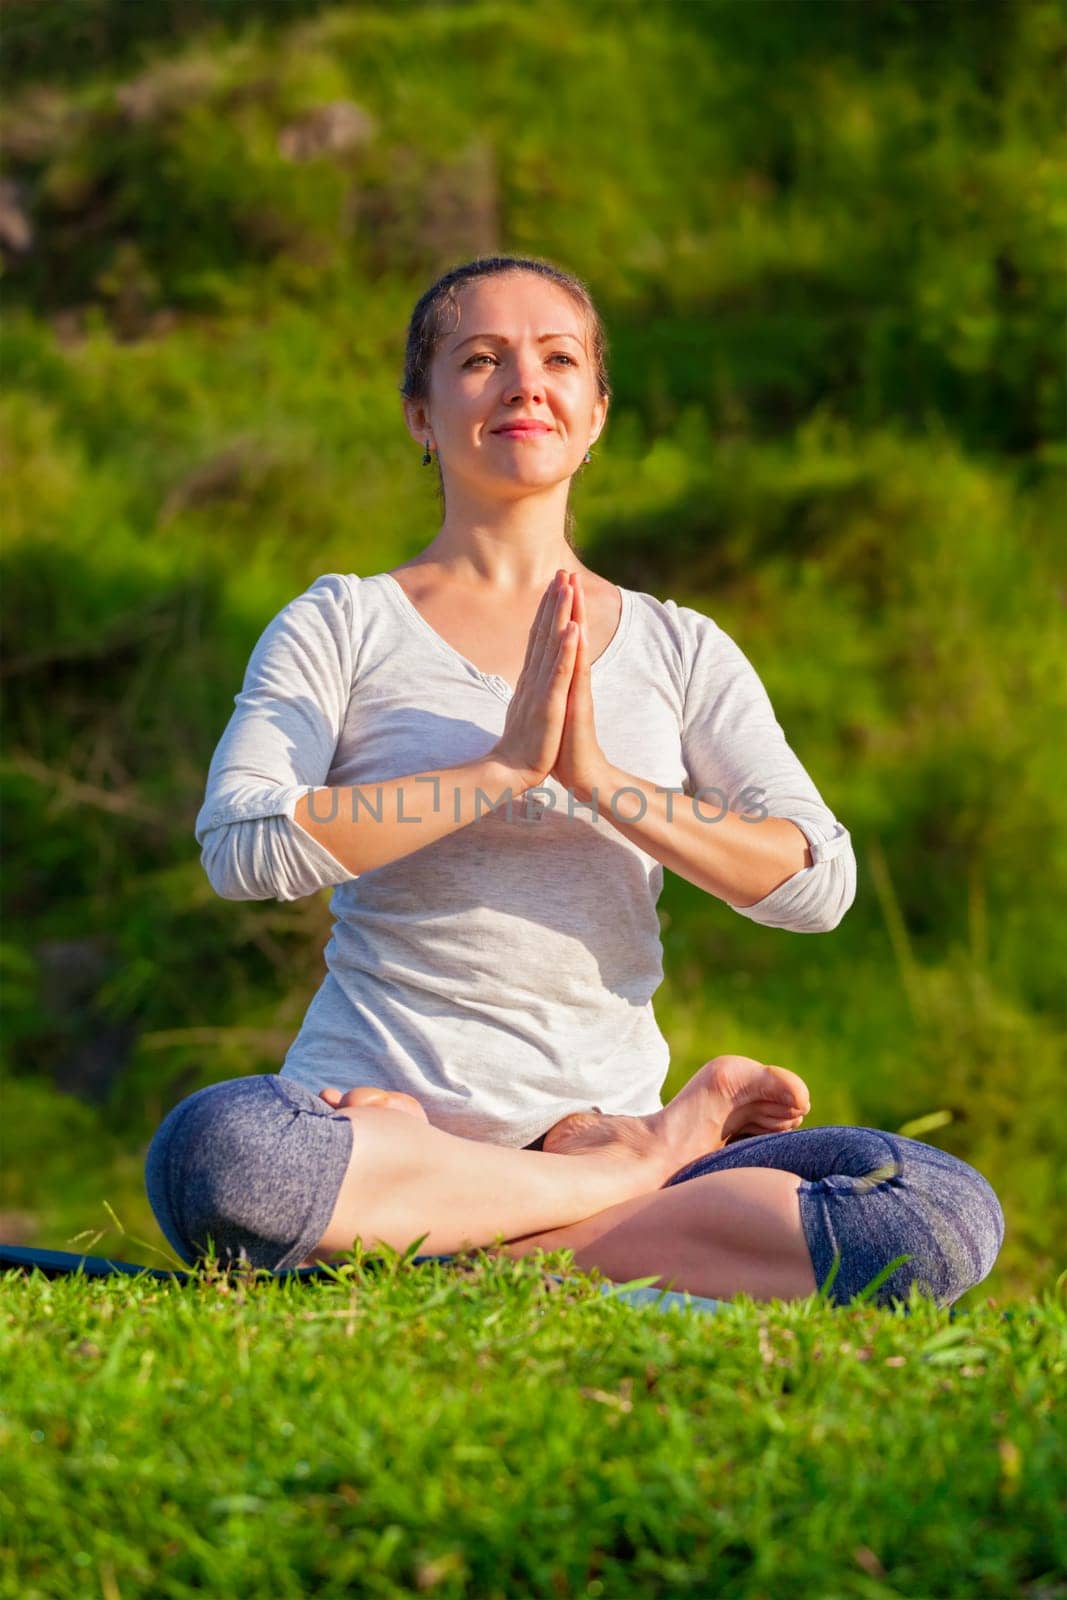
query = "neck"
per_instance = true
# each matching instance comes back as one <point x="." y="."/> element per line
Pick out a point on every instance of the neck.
<point x="506" y="544"/>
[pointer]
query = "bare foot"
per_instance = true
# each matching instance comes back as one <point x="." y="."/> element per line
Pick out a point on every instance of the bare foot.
<point x="366" y="1095"/>
<point x="730" y="1097"/>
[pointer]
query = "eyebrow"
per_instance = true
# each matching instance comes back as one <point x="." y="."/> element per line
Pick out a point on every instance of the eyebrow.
<point x="503" y="338"/>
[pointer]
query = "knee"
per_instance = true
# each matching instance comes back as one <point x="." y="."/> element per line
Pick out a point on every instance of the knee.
<point x="910" y="1203"/>
<point x="973" y="1243"/>
<point x="196" y="1172"/>
<point x="250" y="1167"/>
<point x="961" y="1241"/>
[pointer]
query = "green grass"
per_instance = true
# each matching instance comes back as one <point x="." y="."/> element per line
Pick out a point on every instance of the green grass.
<point x="484" y="1430"/>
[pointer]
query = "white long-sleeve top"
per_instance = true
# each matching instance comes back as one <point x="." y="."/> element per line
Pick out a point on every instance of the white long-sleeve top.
<point x="504" y="974"/>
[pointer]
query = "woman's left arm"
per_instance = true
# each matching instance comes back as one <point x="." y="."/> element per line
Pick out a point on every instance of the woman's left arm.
<point x="749" y="826"/>
<point x="743" y="859"/>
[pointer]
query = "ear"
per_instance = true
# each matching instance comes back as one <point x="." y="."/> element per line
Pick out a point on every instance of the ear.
<point x="417" y="421"/>
<point x="600" y="417"/>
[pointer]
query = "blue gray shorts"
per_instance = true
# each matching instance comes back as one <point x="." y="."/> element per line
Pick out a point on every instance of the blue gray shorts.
<point x="868" y="1197"/>
<point x="253" y="1167"/>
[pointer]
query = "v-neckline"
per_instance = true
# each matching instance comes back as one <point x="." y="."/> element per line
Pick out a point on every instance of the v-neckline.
<point x="499" y="685"/>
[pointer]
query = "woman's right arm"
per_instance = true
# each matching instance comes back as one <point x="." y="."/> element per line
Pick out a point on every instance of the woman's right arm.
<point x="271" y="828"/>
<point x="367" y="825"/>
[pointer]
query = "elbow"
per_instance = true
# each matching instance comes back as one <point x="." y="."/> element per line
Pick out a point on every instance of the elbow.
<point x="814" y="900"/>
<point x="829" y="884"/>
<point x="226" y="891"/>
<point x="228" y="882"/>
<point x="827" y="920"/>
<point x="233" y="870"/>
<point x="837" y="892"/>
<point x="268" y="859"/>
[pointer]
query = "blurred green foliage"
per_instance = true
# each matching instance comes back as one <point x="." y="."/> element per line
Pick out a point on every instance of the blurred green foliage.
<point x="827" y="241"/>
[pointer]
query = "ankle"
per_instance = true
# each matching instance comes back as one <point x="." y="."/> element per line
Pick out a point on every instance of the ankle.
<point x="662" y="1161"/>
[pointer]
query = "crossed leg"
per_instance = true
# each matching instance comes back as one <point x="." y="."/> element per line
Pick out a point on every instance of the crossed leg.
<point x="722" y="1234"/>
<point x="852" y="1210"/>
<point x="719" y="1235"/>
<point x="768" y="1211"/>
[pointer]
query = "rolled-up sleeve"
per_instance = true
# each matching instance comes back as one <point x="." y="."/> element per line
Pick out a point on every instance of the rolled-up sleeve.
<point x="279" y="742"/>
<point x="732" y="743"/>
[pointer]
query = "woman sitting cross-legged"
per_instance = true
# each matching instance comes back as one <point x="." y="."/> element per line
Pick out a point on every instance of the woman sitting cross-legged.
<point x="493" y="753"/>
<point x="719" y="1193"/>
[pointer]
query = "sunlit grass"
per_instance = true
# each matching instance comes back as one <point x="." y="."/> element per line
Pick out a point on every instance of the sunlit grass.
<point x="487" y="1431"/>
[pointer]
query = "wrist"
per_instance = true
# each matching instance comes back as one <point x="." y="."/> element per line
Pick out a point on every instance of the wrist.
<point x="603" y="781"/>
<point x="497" y="777"/>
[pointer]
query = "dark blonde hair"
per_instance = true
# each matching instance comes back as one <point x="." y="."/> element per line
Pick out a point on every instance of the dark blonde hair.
<point x="428" y="326"/>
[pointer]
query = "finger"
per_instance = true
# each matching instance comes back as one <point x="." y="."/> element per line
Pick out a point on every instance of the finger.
<point x="544" y="638"/>
<point x="579" y="615"/>
<point x="364" y="1094"/>
<point x="537" y="626"/>
<point x="563" y="666"/>
<point x="578" y="612"/>
<point x="568" y="642"/>
<point x="566" y="607"/>
<point x="579" y="598"/>
<point x="558" y="623"/>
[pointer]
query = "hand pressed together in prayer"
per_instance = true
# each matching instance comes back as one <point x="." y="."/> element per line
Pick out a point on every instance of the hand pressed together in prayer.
<point x="550" y="729"/>
<point x="580" y="761"/>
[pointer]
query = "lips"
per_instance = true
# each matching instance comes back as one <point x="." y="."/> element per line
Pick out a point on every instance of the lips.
<point x="524" y="427"/>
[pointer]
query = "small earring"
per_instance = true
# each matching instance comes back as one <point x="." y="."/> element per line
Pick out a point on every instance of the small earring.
<point x="426" y="457"/>
<point x="588" y="456"/>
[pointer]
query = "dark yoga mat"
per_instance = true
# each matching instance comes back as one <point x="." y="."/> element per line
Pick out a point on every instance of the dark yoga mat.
<point x="60" y="1263"/>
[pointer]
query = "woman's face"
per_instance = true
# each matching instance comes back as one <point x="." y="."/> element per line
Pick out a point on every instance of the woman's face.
<point x="520" y="353"/>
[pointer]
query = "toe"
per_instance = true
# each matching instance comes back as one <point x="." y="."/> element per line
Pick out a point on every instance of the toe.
<point x="792" y="1090"/>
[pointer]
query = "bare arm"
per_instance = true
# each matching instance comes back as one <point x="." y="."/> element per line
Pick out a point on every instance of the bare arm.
<point x="365" y="826"/>
<point x="738" y="859"/>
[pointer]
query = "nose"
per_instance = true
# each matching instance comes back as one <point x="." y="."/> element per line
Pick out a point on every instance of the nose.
<point x="526" y="379"/>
